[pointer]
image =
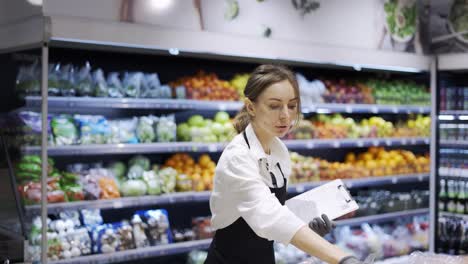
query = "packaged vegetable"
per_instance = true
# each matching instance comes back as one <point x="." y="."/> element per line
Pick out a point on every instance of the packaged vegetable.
<point x="150" y="86"/>
<point x="154" y="182"/>
<point x="132" y="84"/>
<point x="91" y="188"/>
<point x="158" y="228"/>
<point x="94" y="129"/>
<point x="24" y="129"/>
<point x="91" y="217"/>
<point x="109" y="189"/>
<point x="125" y="232"/>
<point x="114" y="86"/>
<point x="99" y="84"/>
<point x="141" y="160"/>
<point x="53" y="82"/>
<point x="66" y="80"/>
<point x="105" y="239"/>
<point x="27" y="80"/>
<point x="169" y="179"/>
<point x="127" y="130"/>
<point x="139" y="235"/>
<point x="84" y="85"/>
<point x="166" y="129"/>
<point x="64" y="130"/>
<point x="133" y="188"/>
<point x="145" y="131"/>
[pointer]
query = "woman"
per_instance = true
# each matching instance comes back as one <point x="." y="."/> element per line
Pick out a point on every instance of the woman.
<point x="247" y="203"/>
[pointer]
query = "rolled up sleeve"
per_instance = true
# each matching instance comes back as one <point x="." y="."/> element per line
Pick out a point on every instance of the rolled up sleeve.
<point x="256" y="204"/>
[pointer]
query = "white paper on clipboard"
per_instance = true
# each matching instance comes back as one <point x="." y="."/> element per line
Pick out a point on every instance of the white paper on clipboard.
<point x="332" y="199"/>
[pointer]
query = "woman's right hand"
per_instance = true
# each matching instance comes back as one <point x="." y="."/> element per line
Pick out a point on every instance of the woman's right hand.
<point x="354" y="260"/>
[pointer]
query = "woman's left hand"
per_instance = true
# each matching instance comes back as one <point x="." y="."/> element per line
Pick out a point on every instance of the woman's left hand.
<point x="322" y="226"/>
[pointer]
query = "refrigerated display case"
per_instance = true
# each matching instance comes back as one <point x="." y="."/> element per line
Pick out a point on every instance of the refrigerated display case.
<point x="450" y="173"/>
<point x="113" y="47"/>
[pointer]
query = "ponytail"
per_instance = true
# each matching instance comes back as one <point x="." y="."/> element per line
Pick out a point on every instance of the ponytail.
<point x="242" y="120"/>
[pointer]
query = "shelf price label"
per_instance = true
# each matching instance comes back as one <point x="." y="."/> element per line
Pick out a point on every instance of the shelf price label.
<point x="348" y="109"/>
<point x="360" y="143"/>
<point x="388" y="142"/>
<point x="117" y="204"/>
<point x="310" y="145"/>
<point x="395" y="109"/>
<point x="375" y="142"/>
<point x="212" y="147"/>
<point x="336" y="144"/>
<point x="394" y="180"/>
<point x="374" y="109"/>
<point x="300" y="188"/>
<point x="222" y="107"/>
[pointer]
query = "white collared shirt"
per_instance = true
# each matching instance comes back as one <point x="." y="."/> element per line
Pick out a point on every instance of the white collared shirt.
<point x="241" y="188"/>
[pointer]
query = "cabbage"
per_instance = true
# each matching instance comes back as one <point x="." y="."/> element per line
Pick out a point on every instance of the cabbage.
<point x="154" y="182"/>
<point x="143" y="161"/>
<point x="135" y="172"/>
<point x="133" y="188"/>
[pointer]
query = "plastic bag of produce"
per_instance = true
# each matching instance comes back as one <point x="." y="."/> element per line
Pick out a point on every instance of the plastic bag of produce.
<point x="150" y="86"/>
<point x="432" y="258"/>
<point x="114" y="86"/>
<point x="25" y="128"/>
<point x="77" y="243"/>
<point x="84" y="85"/>
<point x="144" y="130"/>
<point x="28" y="80"/>
<point x="93" y="129"/>
<point x="64" y="130"/>
<point x="180" y="92"/>
<point x="158" y="228"/>
<point x="99" y="84"/>
<point x="169" y="179"/>
<point x="154" y="182"/>
<point x="139" y="235"/>
<point x="91" y="188"/>
<point x="140" y="160"/>
<point x="105" y="239"/>
<point x="166" y="130"/>
<point x="127" y="130"/>
<point x="53" y="81"/>
<point x="196" y="257"/>
<point x="91" y="217"/>
<point x="133" y="188"/>
<point x="66" y="80"/>
<point x="132" y="84"/>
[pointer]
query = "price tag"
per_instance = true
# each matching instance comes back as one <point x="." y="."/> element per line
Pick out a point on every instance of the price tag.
<point x="117" y="204"/>
<point x="360" y="143"/>
<point x="300" y="188"/>
<point x="395" y="109"/>
<point x="388" y="142"/>
<point x="222" y="107"/>
<point x="348" y="109"/>
<point x="212" y="148"/>
<point x="413" y="141"/>
<point x="375" y="142"/>
<point x="374" y="109"/>
<point x="336" y="144"/>
<point x="403" y="141"/>
<point x="394" y="180"/>
<point x="426" y="141"/>
<point x="420" y="178"/>
<point x="421" y="110"/>
<point x="349" y="184"/>
<point x="310" y="145"/>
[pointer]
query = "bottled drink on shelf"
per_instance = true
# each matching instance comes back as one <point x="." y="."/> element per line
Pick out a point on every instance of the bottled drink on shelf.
<point x="442" y="195"/>
<point x="452" y="235"/>
<point x="461" y="197"/>
<point x="452" y="196"/>
<point x="453" y="98"/>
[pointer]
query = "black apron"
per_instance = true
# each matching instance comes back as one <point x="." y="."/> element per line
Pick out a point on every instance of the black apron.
<point x="238" y="243"/>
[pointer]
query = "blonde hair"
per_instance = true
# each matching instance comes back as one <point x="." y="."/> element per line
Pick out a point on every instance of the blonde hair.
<point x="261" y="78"/>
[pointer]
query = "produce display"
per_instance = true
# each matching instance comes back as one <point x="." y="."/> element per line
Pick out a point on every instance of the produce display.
<point x="376" y="161"/>
<point x="336" y="126"/>
<point x="197" y="176"/>
<point x="199" y="129"/>
<point x="73" y="234"/>
<point x="206" y="86"/>
<point x="375" y="202"/>
<point x="69" y="80"/>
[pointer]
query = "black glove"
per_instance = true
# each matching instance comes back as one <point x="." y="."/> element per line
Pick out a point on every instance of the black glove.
<point x="322" y="227"/>
<point x="353" y="260"/>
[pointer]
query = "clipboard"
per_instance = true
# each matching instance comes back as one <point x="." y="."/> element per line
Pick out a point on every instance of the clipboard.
<point x="332" y="199"/>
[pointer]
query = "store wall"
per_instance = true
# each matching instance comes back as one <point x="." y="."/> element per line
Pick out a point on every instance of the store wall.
<point x="356" y="24"/>
<point x="17" y="10"/>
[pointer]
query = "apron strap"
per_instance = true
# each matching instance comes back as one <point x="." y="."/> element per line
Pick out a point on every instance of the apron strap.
<point x="245" y="138"/>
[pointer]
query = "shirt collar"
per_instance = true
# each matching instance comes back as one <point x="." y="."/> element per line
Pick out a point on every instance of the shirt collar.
<point x="256" y="147"/>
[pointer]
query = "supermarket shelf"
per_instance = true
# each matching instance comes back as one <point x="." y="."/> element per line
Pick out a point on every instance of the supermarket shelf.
<point x="140" y="253"/>
<point x="365" y="182"/>
<point x="464" y="216"/>
<point x="131" y="103"/>
<point x="123" y="202"/>
<point x="453" y="143"/>
<point x="382" y="217"/>
<point x="366" y="108"/>
<point x="168" y="147"/>
<point x="34" y="102"/>
<point x="453" y="112"/>
<point x="353" y="143"/>
<point x="172" y="198"/>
